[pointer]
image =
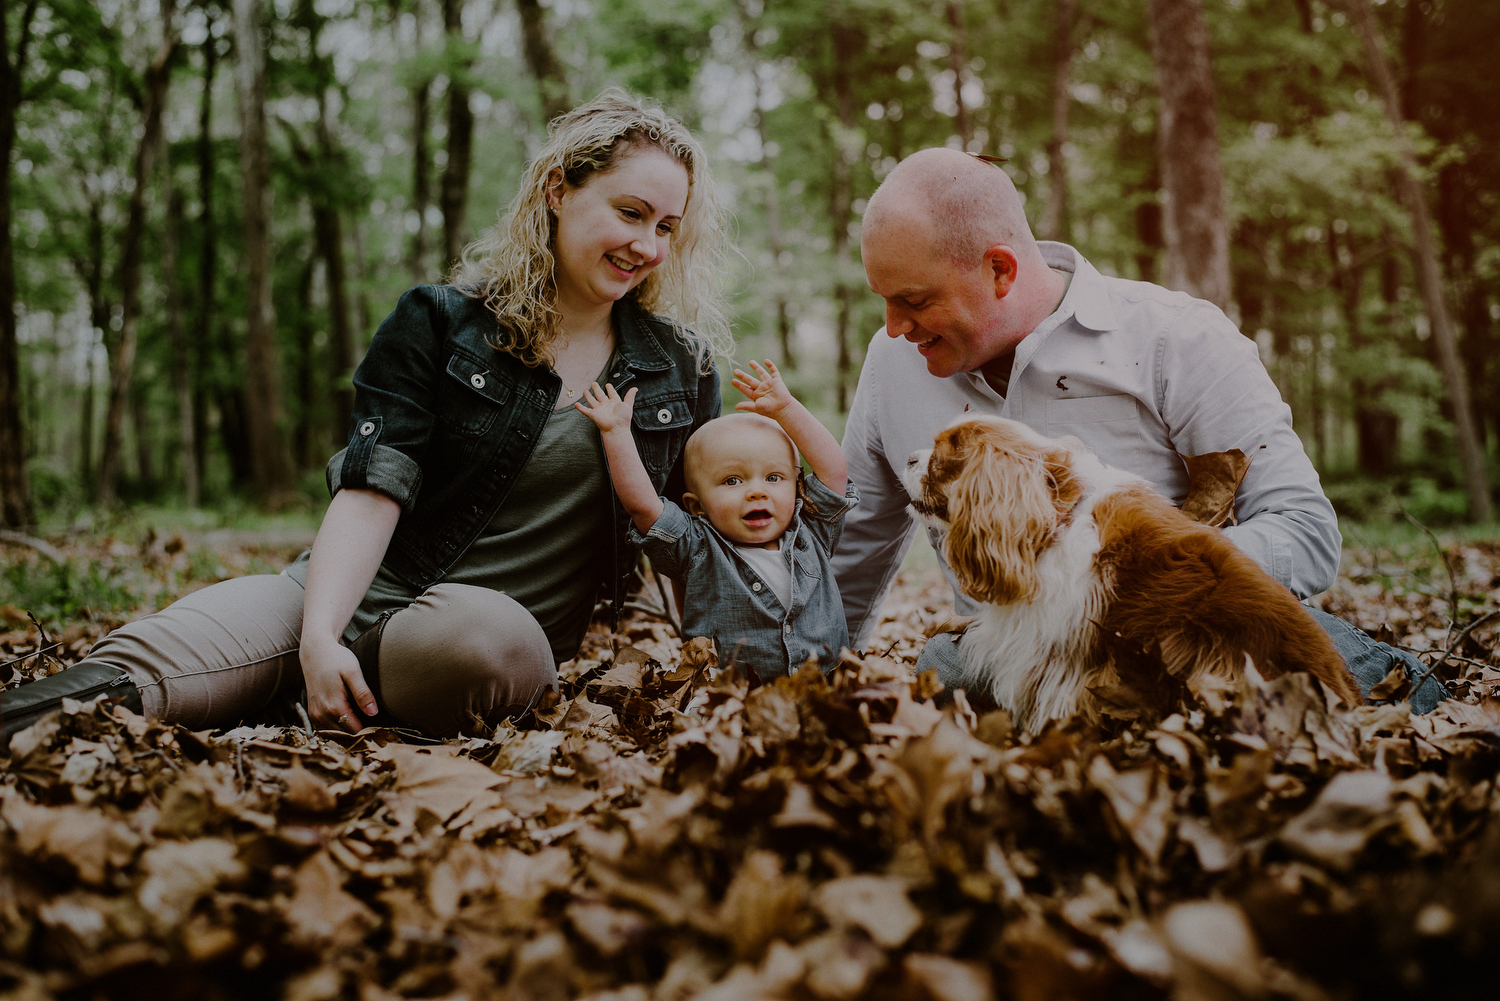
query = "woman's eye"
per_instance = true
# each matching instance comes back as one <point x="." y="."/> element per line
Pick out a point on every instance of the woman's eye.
<point x="664" y="229"/>
<point x="630" y="214"/>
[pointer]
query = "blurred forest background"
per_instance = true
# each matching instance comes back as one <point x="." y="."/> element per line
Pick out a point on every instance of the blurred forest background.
<point x="208" y="206"/>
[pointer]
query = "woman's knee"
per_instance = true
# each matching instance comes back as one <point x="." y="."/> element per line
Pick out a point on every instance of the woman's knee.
<point x="460" y="645"/>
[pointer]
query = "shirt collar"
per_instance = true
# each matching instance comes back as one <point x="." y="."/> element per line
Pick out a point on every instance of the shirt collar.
<point x="1087" y="300"/>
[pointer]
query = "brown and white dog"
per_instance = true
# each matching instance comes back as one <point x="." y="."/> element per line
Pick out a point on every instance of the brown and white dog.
<point x="1076" y="563"/>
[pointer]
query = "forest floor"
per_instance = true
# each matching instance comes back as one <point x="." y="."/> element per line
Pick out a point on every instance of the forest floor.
<point x="659" y="830"/>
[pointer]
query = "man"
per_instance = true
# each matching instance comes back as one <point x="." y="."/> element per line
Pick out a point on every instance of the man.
<point x="979" y="314"/>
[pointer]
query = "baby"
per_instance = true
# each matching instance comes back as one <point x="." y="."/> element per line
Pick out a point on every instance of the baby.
<point x="752" y="548"/>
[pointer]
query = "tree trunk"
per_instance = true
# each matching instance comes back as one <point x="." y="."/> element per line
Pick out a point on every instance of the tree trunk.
<point x="1057" y="223"/>
<point x="140" y="417"/>
<point x="15" y="490"/>
<point x="421" y="179"/>
<point x="90" y="270"/>
<point x="767" y="170"/>
<point x="269" y="460"/>
<point x="208" y="249"/>
<point x="453" y="193"/>
<point x="122" y="360"/>
<point x="958" y="60"/>
<point x="541" y="58"/>
<point x="182" y="365"/>
<point x="1192" y="175"/>
<point x="847" y="43"/>
<point x="329" y="228"/>
<point x="1429" y="278"/>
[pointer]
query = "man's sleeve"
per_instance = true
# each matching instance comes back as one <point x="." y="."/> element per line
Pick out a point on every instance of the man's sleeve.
<point x="395" y="387"/>
<point x="1216" y="395"/>
<point x="878" y="532"/>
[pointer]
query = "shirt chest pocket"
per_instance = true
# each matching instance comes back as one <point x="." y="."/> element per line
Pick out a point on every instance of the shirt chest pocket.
<point x="661" y="427"/>
<point x="474" y="395"/>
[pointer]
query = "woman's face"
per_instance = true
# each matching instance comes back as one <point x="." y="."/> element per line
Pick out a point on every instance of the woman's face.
<point x="617" y="227"/>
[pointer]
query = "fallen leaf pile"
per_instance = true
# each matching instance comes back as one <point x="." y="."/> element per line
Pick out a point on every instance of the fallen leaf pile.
<point x="661" y="830"/>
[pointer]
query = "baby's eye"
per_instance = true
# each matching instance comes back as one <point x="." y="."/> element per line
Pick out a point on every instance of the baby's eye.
<point x="733" y="481"/>
<point x="775" y="478"/>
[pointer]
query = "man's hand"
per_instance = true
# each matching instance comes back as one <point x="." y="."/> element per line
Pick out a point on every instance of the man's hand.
<point x="606" y="409"/>
<point x="767" y="394"/>
<point x="335" y="686"/>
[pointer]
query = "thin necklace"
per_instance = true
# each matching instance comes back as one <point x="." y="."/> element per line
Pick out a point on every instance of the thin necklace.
<point x="572" y="394"/>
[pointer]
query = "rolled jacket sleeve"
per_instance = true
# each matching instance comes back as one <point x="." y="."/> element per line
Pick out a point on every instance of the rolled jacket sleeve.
<point x="823" y="511"/>
<point x="394" y="394"/>
<point x="672" y="541"/>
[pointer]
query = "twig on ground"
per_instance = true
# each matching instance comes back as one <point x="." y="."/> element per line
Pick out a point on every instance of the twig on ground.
<point x="1442" y="555"/>
<point x="312" y="735"/>
<point x="32" y="542"/>
<point x="1421" y="679"/>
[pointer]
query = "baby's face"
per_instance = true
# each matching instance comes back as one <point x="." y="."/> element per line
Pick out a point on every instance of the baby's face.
<point x="742" y="476"/>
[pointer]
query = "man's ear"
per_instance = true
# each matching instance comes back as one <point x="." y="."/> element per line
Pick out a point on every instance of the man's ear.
<point x="554" y="189"/>
<point x="691" y="505"/>
<point x="1000" y="261"/>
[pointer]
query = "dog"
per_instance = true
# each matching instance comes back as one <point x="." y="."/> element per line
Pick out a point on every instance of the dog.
<point x="1079" y="566"/>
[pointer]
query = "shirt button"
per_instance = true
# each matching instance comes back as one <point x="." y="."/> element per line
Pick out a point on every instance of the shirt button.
<point x="367" y="428"/>
<point x="664" y="415"/>
<point x="755" y="586"/>
<point x="787" y="630"/>
<point x="476" y="380"/>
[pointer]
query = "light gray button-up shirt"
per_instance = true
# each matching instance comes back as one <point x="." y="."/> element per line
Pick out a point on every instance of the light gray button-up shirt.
<point x="1143" y="376"/>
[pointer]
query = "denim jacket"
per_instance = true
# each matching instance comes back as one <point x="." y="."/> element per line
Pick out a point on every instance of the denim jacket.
<point x="728" y="602"/>
<point x="443" y="423"/>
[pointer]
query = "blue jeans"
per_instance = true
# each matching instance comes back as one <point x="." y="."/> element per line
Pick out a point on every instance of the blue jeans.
<point x="1367" y="660"/>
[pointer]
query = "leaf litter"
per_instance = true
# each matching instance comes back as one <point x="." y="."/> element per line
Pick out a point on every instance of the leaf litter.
<point x="659" y="829"/>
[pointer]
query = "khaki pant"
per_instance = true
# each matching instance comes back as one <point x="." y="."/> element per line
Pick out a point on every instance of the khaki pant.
<point x="220" y="655"/>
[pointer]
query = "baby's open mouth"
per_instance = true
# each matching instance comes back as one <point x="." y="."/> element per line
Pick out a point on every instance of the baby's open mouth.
<point x="758" y="515"/>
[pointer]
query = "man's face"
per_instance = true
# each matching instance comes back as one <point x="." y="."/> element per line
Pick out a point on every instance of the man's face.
<point x="950" y="311"/>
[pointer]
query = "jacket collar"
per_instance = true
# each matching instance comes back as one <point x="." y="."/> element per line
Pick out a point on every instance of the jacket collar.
<point x="639" y="343"/>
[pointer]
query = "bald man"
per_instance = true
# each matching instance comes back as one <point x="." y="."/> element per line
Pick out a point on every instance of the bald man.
<point x="979" y="314"/>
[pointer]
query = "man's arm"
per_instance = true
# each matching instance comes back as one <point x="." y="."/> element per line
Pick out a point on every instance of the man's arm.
<point x="878" y="532"/>
<point x="1215" y="395"/>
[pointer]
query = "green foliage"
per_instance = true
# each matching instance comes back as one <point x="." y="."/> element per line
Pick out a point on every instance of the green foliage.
<point x="783" y="92"/>
<point x="62" y="591"/>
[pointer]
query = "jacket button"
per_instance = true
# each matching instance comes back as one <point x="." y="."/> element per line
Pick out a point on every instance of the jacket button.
<point x="476" y="380"/>
<point x="367" y="428"/>
<point x="755" y="586"/>
<point x="787" y="630"/>
<point x="664" y="415"/>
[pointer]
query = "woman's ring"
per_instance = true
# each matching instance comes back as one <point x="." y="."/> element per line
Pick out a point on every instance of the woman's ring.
<point x="344" y="718"/>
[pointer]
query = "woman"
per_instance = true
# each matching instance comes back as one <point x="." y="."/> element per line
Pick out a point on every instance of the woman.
<point x="472" y="519"/>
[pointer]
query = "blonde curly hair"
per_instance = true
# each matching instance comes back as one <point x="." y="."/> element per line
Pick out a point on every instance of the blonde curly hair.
<point x="512" y="267"/>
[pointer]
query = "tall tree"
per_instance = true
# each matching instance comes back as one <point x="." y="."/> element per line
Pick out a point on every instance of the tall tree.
<point x="1429" y="274"/>
<point x="1192" y="172"/>
<point x="847" y="41"/>
<point x="15" y="490"/>
<point x="152" y="100"/>
<point x="268" y="456"/>
<point x="453" y="192"/>
<point x="182" y="362"/>
<point x="1057" y="223"/>
<point x="541" y="59"/>
<point x="958" y="61"/>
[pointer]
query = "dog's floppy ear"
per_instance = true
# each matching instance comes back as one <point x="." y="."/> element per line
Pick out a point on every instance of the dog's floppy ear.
<point x="1002" y="513"/>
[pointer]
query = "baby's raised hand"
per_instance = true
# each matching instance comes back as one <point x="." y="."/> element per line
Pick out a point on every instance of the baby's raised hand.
<point x="767" y="394"/>
<point x="605" y="407"/>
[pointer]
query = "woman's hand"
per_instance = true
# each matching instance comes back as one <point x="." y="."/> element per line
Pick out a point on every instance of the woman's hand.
<point x="335" y="686"/>
<point x="606" y="409"/>
<point x="767" y="394"/>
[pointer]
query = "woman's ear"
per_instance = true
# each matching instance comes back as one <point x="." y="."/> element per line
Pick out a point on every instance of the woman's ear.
<point x="691" y="505"/>
<point x="556" y="184"/>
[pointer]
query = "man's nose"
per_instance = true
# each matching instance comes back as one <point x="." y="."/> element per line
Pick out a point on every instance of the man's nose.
<point x="897" y="323"/>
